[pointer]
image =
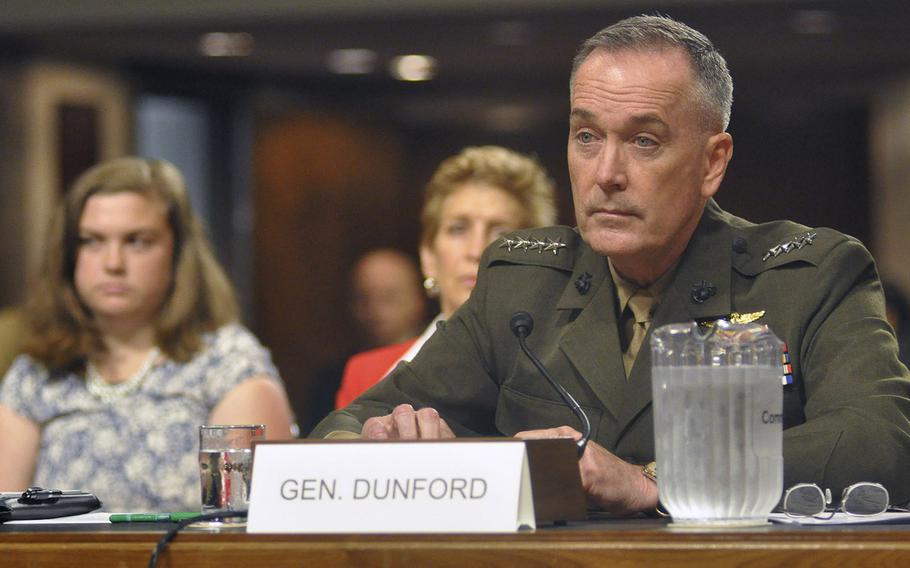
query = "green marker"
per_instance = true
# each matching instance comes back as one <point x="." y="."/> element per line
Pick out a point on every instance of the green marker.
<point x="152" y="517"/>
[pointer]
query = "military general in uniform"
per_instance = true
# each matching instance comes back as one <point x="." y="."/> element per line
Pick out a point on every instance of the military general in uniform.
<point x="647" y="150"/>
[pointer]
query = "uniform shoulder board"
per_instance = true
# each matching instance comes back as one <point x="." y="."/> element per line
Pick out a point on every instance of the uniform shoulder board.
<point x="545" y="246"/>
<point x="769" y="245"/>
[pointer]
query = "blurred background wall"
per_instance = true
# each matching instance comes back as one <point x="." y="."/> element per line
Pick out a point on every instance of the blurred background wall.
<point x="307" y="136"/>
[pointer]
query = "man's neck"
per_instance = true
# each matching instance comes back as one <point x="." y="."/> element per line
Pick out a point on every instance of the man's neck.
<point x="656" y="284"/>
<point x="643" y="275"/>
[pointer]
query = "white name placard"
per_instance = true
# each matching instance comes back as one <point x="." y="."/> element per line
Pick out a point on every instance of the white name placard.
<point x="330" y="486"/>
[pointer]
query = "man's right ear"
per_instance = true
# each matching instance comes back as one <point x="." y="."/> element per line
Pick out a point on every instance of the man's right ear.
<point x="718" y="152"/>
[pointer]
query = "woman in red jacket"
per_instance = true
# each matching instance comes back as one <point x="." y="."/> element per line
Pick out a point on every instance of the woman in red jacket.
<point x="473" y="198"/>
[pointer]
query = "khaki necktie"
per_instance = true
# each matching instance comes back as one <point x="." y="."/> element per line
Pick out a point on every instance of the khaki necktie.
<point x="636" y="326"/>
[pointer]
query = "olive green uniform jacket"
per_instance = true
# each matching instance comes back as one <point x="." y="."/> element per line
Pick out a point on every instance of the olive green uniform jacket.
<point x="845" y="415"/>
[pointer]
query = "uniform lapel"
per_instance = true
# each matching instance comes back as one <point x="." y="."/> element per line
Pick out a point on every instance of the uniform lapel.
<point x="591" y="342"/>
<point x="705" y="264"/>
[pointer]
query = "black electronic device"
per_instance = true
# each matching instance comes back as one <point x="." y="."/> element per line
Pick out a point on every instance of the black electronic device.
<point x="521" y="325"/>
<point x="38" y="503"/>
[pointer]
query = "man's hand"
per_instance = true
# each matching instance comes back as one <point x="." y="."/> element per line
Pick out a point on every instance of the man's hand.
<point x="405" y="423"/>
<point x="609" y="482"/>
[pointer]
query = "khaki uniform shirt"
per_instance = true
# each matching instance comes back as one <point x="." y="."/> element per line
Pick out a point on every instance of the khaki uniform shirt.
<point x="845" y="414"/>
<point x="648" y="299"/>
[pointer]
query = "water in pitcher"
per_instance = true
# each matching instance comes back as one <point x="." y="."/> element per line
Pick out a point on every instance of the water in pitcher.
<point x="225" y="476"/>
<point x="718" y="441"/>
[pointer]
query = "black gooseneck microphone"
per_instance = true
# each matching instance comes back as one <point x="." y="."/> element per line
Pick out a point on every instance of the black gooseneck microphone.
<point x="522" y="324"/>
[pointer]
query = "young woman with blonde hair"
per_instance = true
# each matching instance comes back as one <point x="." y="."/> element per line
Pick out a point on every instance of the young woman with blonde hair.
<point x="134" y="342"/>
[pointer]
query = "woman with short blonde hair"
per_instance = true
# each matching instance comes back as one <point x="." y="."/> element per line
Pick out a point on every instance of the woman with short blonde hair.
<point x="473" y="198"/>
<point x="516" y="174"/>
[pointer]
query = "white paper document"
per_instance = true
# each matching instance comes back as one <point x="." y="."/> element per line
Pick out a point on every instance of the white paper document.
<point x="84" y="519"/>
<point x="843" y="519"/>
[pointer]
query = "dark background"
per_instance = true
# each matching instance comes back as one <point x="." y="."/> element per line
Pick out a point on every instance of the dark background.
<point x="338" y="163"/>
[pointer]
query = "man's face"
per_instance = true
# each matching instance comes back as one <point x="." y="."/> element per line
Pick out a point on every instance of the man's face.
<point x="640" y="165"/>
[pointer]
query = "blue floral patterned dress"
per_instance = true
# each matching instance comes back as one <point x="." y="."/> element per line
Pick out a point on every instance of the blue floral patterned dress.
<point x="141" y="451"/>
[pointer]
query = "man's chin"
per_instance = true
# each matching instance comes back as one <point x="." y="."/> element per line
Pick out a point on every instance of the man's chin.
<point x="612" y="244"/>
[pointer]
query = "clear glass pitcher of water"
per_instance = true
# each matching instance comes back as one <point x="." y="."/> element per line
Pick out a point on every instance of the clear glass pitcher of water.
<point x="718" y="422"/>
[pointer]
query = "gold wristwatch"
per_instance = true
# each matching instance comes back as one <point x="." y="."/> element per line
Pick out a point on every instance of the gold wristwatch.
<point x="650" y="471"/>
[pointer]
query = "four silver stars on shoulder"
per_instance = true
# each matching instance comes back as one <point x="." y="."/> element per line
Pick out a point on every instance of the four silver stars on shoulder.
<point x="549" y="245"/>
<point x="526" y="244"/>
<point x="793" y="244"/>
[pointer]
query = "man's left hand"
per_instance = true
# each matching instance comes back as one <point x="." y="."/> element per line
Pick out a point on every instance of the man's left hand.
<point x="609" y="482"/>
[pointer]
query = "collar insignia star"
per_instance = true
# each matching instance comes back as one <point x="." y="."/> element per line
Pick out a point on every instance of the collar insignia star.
<point x="529" y="244"/>
<point x="795" y="243"/>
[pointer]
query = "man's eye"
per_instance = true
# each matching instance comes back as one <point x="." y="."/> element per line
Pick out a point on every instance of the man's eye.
<point x="644" y="142"/>
<point x="585" y="137"/>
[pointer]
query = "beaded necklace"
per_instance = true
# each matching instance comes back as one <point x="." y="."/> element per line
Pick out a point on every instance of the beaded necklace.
<point x="109" y="393"/>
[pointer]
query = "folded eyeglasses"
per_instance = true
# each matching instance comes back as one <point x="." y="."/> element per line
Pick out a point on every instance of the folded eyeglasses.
<point x="862" y="499"/>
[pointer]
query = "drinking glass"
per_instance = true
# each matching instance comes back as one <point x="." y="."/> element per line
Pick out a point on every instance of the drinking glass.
<point x="226" y="467"/>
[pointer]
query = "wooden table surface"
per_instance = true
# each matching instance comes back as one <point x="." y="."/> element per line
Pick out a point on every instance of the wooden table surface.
<point x="626" y="542"/>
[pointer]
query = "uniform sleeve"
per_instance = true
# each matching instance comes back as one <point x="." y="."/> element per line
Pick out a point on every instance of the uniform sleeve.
<point x="233" y="356"/>
<point x="857" y="392"/>
<point x="20" y="390"/>
<point x="449" y="373"/>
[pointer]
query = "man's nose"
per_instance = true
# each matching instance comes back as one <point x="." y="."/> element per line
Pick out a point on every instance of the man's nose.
<point x="611" y="167"/>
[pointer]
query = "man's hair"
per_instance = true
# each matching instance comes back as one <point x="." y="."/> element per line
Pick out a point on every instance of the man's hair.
<point x="200" y="297"/>
<point x="516" y="174"/>
<point x="714" y="86"/>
